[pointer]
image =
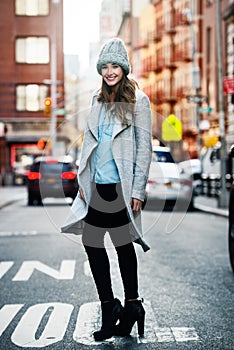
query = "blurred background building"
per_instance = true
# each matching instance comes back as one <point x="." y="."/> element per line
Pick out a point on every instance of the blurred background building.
<point x="172" y="46"/>
<point x="28" y="29"/>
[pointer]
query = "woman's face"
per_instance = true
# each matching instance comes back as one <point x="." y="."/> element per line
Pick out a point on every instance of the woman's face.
<point x="112" y="73"/>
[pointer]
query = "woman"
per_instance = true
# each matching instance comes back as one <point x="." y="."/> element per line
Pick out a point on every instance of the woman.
<point x="113" y="171"/>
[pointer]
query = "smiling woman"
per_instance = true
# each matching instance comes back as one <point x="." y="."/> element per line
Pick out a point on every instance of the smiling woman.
<point x="113" y="171"/>
<point x="80" y="17"/>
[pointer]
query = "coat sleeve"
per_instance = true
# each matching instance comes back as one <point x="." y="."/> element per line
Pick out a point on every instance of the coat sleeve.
<point x="143" y="146"/>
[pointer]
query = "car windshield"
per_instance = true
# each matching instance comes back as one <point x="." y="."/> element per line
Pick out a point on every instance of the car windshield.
<point x="161" y="156"/>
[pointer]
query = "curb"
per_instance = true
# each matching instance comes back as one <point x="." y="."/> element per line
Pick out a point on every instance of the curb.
<point x="11" y="201"/>
<point x="220" y="212"/>
<point x="6" y="204"/>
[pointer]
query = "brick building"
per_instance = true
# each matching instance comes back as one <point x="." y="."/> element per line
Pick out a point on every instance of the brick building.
<point x="28" y="30"/>
<point x="166" y="57"/>
<point x="228" y="17"/>
<point x="174" y="39"/>
<point x="209" y="64"/>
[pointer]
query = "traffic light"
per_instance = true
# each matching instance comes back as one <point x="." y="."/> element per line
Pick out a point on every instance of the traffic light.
<point x="47" y="106"/>
<point x="41" y="144"/>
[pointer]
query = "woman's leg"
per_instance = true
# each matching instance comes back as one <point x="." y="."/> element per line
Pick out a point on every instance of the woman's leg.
<point x="133" y="309"/>
<point x="127" y="260"/>
<point x="128" y="269"/>
<point x="100" y="267"/>
<point x="93" y="241"/>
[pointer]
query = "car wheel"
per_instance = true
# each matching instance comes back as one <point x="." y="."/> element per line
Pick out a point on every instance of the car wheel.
<point x="191" y="204"/>
<point x="34" y="200"/>
<point x="30" y="199"/>
<point x="39" y="200"/>
<point x="231" y="230"/>
<point x="231" y="245"/>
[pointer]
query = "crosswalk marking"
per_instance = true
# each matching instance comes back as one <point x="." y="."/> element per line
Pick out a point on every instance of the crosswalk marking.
<point x="164" y="334"/>
<point x="45" y="324"/>
<point x="89" y="320"/>
<point x="18" y="233"/>
<point x="183" y="334"/>
<point x="153" y="333"/>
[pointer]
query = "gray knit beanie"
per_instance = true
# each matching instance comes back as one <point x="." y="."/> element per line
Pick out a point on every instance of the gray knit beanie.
<point x="114" y="51"/>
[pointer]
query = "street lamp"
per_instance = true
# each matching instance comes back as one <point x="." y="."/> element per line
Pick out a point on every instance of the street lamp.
<point x="223" y="196"/>
<point x="53" y="74"/>
<point x="196" y="79"/>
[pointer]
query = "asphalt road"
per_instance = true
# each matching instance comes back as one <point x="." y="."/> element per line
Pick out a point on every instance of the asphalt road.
<point x="49" y="301"/>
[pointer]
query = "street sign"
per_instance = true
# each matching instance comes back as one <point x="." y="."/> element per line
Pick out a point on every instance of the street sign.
<point x="171" y="129"/>
<point x="207" y="109"/>
<point x="61" y="111"/>
<point x="196" y="99"/>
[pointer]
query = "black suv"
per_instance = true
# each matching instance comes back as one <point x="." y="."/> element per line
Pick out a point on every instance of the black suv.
<point x="231" y="219"/>
<point x="51" y="177"/>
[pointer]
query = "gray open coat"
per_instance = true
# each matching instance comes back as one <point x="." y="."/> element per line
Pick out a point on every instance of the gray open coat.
<point x="132" y="149"/>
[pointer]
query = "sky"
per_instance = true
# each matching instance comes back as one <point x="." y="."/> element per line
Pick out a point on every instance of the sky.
<point x="81" y="26"/>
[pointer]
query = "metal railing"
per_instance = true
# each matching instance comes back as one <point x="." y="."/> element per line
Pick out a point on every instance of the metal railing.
<point x="210" y="184"/>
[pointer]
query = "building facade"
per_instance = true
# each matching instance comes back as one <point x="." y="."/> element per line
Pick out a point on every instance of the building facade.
<point x="210" y="87"/>
<point x="228" y="17"/>
<point x="167" y="59"/>
<point x="29" y="32"/>
<point x="173" y="49"/>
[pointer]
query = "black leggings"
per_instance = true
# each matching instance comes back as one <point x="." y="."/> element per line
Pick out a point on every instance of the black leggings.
<point x="107" y="212"/>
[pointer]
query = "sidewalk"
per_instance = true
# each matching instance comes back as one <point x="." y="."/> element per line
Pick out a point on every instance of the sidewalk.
<point x="209" y="205"/>
<point x="11" y="194"/>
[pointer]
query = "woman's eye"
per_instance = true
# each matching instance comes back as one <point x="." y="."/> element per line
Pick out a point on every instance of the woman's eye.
<point x="104" y="67"/>
<point x="115" y="66"/>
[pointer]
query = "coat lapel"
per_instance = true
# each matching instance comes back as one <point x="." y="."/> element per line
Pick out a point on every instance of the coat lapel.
<point x="93" y="118"/>
<point x="119" y="127"/>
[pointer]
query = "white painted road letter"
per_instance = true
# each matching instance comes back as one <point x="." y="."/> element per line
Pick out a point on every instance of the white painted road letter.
<point x="66" y="272"/>
<point x="54" y="330"/>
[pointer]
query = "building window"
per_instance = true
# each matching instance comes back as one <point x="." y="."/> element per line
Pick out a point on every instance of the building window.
<point x="209" y="2"/>
<point x="30" y="97"/>
<point x="208" y="44"/>
<point x="32" y="50"/>
<point x="32" y="7"/>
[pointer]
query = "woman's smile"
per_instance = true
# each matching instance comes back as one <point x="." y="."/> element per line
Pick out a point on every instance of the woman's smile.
<point x="112" y="73"/>
<point x="111" y="78"/>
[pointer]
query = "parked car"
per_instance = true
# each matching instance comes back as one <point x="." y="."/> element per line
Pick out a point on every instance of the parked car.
<point x="20" y="173"/>
<point x="51" y="177"/>
<point x="231" y="219"/>
<point x="166" y="182"/>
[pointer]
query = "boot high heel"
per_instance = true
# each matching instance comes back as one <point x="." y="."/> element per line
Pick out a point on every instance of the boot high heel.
<point x="111" y="313"/>
<point x="133" y="312"/>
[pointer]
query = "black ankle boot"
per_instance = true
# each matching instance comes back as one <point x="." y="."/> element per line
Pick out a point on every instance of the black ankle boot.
<point x="111" y="313"/>
<point x="133" y="312"/>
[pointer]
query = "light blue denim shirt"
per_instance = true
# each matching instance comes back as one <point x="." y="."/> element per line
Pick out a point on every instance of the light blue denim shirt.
<point x="103" y="166"/>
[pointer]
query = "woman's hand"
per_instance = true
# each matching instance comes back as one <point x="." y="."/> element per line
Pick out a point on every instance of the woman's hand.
<point x="81" y="194"/>
<point x="136" y="204"/>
